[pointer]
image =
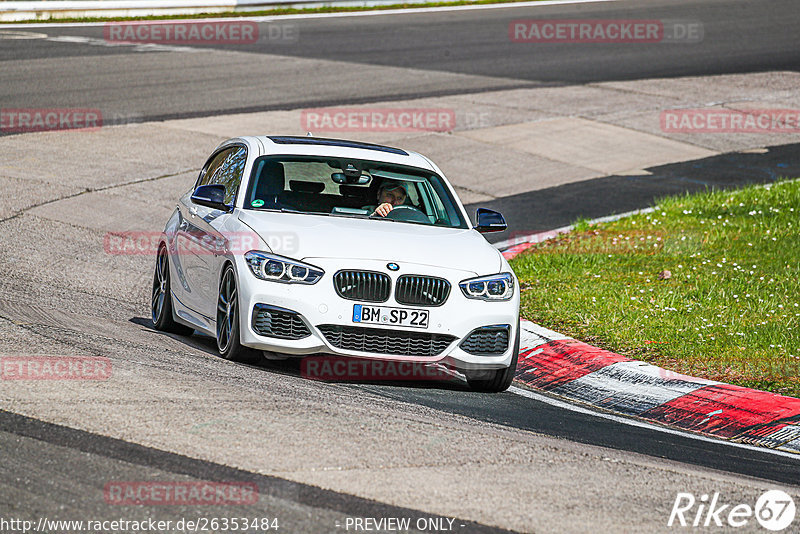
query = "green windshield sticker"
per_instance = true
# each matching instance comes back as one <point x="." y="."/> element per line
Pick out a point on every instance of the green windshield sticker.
<point x="257" y="203"/>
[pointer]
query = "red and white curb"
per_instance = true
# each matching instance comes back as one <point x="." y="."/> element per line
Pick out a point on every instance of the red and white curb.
<point x="566" y="367"/>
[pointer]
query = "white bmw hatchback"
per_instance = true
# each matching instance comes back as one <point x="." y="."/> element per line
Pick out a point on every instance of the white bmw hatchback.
<point x="304" y="245"/>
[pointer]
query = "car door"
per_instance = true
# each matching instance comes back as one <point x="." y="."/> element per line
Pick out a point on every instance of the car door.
<point x="200" y="242"/>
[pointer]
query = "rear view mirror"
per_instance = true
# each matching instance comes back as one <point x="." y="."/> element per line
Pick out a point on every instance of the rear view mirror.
<point x="342" y="178"/>
<point x="489" y="221"/>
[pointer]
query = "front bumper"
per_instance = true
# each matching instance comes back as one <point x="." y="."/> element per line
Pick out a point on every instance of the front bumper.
<point x="319" y="306"/>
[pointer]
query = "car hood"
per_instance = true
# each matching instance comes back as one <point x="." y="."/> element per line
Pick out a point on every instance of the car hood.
<point x="304" y="236"/>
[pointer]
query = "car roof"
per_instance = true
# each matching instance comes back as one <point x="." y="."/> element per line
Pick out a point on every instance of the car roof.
<point x="322" y="146"/>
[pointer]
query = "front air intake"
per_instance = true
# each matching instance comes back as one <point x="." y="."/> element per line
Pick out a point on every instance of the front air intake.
<point x="389" y="342"/>
<point x="271" y="321"/>
<point x="487" y="340"/>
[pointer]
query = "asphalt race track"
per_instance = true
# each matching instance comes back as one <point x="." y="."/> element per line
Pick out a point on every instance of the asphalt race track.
<point x="320" y="453"/>
<point x="451" y="53"/>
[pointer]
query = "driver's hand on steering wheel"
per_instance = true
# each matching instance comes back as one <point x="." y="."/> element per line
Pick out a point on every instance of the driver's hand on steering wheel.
<point x="383" y="210"/>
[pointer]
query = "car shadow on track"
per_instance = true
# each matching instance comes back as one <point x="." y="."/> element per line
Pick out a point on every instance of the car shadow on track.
<point x="334" y="369"/>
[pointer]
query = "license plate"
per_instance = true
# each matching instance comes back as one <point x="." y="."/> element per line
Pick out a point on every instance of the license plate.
<point x="390" y="316"/>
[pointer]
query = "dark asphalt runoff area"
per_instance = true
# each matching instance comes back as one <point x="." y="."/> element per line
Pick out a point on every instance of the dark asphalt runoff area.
<point x="741" y="36"/>
<point x="559" y="206"/>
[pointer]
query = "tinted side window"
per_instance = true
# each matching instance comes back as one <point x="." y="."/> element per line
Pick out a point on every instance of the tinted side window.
<point x="212" y="166"/>
<point x="230" y="172"/>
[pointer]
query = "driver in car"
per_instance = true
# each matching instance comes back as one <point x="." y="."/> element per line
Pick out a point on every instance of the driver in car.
<point x="390" y="194"/>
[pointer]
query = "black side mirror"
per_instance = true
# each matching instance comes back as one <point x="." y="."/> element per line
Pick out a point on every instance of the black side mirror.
<point x="489" y="221"/>
<point x="212" y="196"/>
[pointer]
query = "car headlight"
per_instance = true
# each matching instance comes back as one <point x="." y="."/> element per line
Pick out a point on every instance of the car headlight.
<point x="493" y="287"/>
<point x="280" y="269"/>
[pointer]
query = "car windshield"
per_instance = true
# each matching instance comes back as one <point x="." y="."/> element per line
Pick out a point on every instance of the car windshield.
<point x="351" y="188"/>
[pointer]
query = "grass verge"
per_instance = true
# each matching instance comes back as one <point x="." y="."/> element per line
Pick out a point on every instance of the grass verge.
<point x="268" y="12"/>
<point x="707" y="285"/>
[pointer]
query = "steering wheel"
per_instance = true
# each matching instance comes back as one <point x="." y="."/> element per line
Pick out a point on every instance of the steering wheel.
<point x="408" y="214"/>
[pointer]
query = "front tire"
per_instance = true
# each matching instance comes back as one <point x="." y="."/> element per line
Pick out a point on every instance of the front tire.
<point x="228" y="340"/>
<point x="499" y="380"/>
<point x="161" y="298"/>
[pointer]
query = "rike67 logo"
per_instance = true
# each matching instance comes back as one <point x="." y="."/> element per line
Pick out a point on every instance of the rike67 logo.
<point x="774" y="510"/>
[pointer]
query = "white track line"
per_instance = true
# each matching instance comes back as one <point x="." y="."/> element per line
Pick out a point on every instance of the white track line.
<point x="277" y="18"/>
<point x="538" y="237"/>
<point x="641" y="424"/>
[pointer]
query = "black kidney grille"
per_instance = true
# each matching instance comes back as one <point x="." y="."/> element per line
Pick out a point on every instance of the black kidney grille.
<point x="418" y="290"/>
<point x="366" y="286"/>
<point x="381" y="341"/>
<point x="280" y="323"/>
<point x="486" y="340"/>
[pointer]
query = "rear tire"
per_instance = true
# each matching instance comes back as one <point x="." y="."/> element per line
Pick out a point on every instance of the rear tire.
<point x="228" y="341"/>
<point x="501" y="378"/>
<point x="161" y="298"/>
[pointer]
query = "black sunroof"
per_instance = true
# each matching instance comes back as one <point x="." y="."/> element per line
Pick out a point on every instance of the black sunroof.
<point x="292" y="140"/>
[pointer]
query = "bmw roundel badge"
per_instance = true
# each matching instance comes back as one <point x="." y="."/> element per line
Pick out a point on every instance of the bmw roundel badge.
<point x="392" y="266"/>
